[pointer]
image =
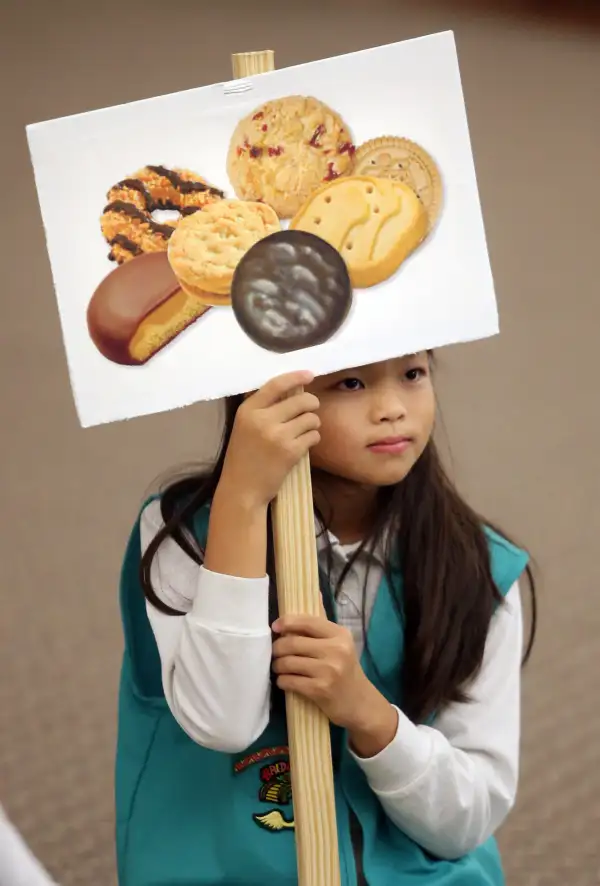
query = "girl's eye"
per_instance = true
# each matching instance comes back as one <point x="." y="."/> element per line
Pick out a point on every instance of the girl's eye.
<point x="415" y="373"/>
<point x="350" y="384"/>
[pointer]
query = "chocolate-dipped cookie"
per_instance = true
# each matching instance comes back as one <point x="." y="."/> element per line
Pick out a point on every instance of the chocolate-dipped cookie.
<point x="138" y="309"/>
<point x="290" y="291"/>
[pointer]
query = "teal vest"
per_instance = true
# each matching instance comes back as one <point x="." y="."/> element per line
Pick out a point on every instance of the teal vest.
<point x="188" y="816"/>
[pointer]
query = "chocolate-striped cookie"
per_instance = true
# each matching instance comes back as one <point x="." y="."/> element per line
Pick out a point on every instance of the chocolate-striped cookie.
<point x="127" y="222"/>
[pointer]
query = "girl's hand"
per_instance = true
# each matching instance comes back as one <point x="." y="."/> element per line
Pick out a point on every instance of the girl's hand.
<point x="316" y="658"/>
<point x="273" y="429"/>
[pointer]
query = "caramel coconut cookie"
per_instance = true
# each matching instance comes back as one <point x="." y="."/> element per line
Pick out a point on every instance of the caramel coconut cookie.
<point x="127" y="223"/>
<point x="405" y="161"/>
<point x="286" y="149"/>
<point x="206" y="247"/>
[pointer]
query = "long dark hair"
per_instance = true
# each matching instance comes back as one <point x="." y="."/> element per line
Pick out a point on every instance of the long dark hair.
<point x="448" y="595"/>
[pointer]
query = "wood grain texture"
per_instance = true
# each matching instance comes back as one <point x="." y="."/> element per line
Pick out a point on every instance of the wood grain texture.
<point x="244" y="64"/>
<point x="308" y="729"/>
<point x="298" y="592"/>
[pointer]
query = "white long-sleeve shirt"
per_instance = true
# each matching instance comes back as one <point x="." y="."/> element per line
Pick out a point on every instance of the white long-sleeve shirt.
<point x="448" y="786"/>
<point x="18" y="865"/>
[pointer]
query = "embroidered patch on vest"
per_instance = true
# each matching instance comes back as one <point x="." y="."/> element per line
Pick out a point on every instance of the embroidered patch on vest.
<point x="275" y="786"/>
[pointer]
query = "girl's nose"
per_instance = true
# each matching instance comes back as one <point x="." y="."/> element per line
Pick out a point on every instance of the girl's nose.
<point x="388" y="406"/>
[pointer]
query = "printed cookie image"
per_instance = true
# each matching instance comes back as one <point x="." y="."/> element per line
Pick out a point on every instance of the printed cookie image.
<point x="405" y="161"/>
<point x="127" y="222"/>
<point x="138" y="309"/>
<point x="374" y="223"/>
<point x="291" y="290"/>
<point x="206" y="247"/>
<point x="286" y="149"/>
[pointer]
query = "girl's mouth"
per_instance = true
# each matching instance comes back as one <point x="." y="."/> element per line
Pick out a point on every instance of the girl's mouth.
<point x="391" y="445"/>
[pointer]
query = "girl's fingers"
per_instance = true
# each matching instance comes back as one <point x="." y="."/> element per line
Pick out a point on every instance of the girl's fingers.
<point x="304" y="686"/>
<point x="303" y="424"/>
<point x="296" y="664"/>
<point x="296" y="645"/>
<point x="307" y="625"/>
<point x="293" y="406"/>
<point x="308" y="440"/>
<point x="281" y="386"/>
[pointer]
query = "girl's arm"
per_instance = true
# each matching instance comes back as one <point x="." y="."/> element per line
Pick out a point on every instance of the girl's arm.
<point x="451" y="785"/>
<point x="216" y="658"/>
<point x="18" y="865"/>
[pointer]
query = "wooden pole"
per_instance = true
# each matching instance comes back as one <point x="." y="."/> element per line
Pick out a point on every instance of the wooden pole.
<point x="298" y="592"/>
<point x="244" y="64"/>
<point x="308" y="728"/>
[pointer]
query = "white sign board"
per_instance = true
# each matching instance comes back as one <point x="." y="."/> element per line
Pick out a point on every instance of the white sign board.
<point x="384" y="126"/>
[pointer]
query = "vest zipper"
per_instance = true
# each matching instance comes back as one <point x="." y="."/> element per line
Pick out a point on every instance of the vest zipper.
<point x="356" y="838"/>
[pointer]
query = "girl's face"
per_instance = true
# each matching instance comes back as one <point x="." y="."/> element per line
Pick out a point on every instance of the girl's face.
<point x="375" y="420"/>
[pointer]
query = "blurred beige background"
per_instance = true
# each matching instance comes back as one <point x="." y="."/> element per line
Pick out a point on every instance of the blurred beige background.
<point x="522" y="412"/>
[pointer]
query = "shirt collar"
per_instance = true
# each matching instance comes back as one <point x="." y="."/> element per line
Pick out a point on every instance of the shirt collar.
<point x="325" y="537"/>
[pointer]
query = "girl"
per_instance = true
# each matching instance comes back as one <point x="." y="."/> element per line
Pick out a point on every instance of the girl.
<point x="415" y="660"/>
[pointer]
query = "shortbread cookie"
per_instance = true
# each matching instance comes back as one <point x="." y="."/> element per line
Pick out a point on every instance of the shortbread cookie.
<point x="403" y="160"/>
<point x="401" y="234"/>
<point x="374" y="223"/>
<point x="206" y="247"/>
<point x="285" y="149"/>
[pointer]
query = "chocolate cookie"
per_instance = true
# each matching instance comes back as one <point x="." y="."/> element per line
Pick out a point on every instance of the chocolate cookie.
<point x="138" y="309"/>
<point x="290" y="291"/>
